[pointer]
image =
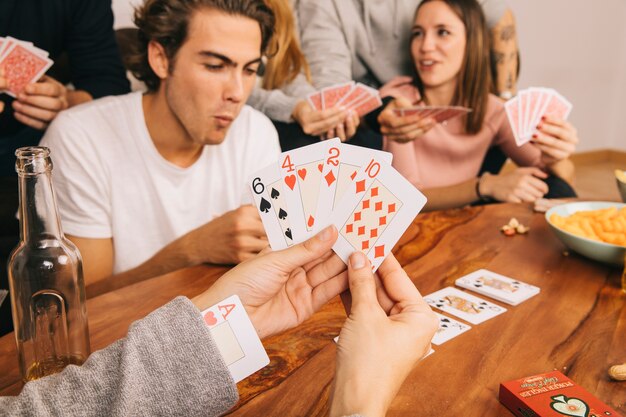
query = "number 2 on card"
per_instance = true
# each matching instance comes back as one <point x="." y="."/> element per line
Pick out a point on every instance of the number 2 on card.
<point x="333" y="159"/>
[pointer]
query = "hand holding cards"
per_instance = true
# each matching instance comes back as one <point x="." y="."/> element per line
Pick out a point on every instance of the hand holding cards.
<point x="439" y="114"/>
<point x="330" y="182"/>
<point x="22" y="63"/>
<point x="526" y="110"/>
<point x="355" y="97"/>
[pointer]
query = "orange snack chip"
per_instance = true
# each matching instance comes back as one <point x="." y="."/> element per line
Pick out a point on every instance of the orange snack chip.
<point x="605" y="225"/>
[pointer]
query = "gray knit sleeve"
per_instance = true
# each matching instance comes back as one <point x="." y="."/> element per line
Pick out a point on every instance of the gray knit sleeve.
<point x="168" y="364"/>
<point x="279" y="104"/>
<point x="494" y="10"/>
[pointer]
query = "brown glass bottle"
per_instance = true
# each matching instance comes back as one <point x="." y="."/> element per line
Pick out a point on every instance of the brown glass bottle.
<point x="45" y="277"/>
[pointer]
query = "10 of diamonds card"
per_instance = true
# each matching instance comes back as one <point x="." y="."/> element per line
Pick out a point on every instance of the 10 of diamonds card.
<point x="465" y="306"/>
<point x="375" y="211"/>
<point x="498" y="287"/>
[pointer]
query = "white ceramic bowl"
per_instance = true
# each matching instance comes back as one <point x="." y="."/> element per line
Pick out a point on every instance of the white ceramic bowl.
<point x="600" y="251"/>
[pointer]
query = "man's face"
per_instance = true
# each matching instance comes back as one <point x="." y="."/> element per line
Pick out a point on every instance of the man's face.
<point x="213" y="74"/>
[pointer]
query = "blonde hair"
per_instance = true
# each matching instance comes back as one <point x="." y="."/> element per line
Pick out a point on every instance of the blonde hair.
<point x="286" y="59"/>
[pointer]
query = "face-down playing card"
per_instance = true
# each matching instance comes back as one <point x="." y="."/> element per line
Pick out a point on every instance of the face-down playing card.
<point x="22" y="66"/>
<point x="339" y="173"/>
<point x="235" y="337"/>
<point x="374" y="213"/>
<point x="448" y="329"/>
<point x="498" y="287"/>
<point x="465" y="306"/>
<point x="301" y="171"/>
<point x="267" y="190"/>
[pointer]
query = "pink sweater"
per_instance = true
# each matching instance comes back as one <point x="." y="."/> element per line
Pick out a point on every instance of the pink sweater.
<point x="445" y="156"/>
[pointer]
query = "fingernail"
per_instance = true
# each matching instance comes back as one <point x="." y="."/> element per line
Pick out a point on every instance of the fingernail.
<point x="326" y="234"/>
<point x="357" y="260"/>
<point x="535" y="135"/>
<point x="543" y="118"/>
<point x="539" y="126"/>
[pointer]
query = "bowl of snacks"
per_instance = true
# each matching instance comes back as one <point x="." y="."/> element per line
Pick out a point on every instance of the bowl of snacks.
<point x="620" y="176"/>
<point x="594" y="229"/>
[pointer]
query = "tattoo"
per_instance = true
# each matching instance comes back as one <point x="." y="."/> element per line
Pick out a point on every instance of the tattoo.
<point x="507" y="33"/>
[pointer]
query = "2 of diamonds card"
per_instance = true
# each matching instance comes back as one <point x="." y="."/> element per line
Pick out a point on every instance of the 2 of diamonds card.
<point x="235" y="337"/>
<point x="448" y="329"/>
<point x="465" y="306"/>
<point x="267" y="191"/>
<point x="498" y="287"/>
<point x="339" y="174"/>
<point x="301" y="171"/>
<point x="374" y="213"/>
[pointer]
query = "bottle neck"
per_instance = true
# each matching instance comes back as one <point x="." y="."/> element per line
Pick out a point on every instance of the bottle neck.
<point x="39" y="219"/>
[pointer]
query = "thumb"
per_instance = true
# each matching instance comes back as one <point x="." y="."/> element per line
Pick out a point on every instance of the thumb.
<point x="361" y="280"/>
<point x="403" y="102"/>
<point x="536" y="172"/>
<point x="309" y="250"/>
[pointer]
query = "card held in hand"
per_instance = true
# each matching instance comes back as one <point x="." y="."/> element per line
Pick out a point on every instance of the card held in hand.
<point x="267" y="190"/>
<point x="236" y="337"/>
<point x="376" y="210"/>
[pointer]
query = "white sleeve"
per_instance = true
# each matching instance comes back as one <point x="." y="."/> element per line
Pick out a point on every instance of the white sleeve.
<point x="79" y="179"/>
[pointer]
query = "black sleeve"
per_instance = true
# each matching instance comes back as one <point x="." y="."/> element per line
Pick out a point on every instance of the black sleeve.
<point x="95" y="62"/>
<point x="371" y="119"/>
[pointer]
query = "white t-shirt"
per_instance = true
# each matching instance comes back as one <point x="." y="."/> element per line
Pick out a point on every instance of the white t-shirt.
<point x="111" y="182"/>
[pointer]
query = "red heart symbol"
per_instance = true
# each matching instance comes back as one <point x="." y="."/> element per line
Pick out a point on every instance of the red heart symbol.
<point x="302" y="173"/>
<point x="290" y="180"/>
<point x="209" y="318"/>
<point x="320" y="167"/>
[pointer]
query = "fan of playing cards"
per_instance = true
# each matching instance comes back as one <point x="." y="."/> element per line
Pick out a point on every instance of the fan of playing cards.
<point x="353" y="96"/>
<point x="330" y="182"/>
<point x="438" y="113"/>
<point x="526" y="110"/>
<point x="22" y="63"/>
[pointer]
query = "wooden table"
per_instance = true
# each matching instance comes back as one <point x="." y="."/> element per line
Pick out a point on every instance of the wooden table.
<point x="577" y="324"/>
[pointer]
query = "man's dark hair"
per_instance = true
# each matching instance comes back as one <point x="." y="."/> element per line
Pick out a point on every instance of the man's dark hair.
<point x="167" y="22"/>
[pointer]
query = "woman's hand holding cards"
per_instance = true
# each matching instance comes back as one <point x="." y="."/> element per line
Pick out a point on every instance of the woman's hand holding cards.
<point x="281" y="289"/>
<point x="403" y="128"/>
<point x="556" y="138"/>
<point x="390" y="325"/>
<point x="520" y="185"/>
<point x="40" y="102"/>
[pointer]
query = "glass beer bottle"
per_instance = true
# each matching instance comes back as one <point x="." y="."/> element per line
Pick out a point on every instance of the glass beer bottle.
<point x="45" y="277"/>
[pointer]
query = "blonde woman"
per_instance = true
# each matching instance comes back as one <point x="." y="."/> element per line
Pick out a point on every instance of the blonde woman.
<point x="281" y="94"/>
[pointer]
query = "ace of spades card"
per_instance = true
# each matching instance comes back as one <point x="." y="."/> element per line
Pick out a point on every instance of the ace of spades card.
<point x="301" y="172"/>
<point x="338" y="174"/>
<point x="465" y="306"/>
<point x="376" y="210"/>
<point x="267" y="191"/>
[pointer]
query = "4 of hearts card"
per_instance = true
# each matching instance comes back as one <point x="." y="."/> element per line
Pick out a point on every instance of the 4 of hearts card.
<point x="267" y="190"/>
<point x="498" y="287"/>
<point x="301" y="171"/>
<point x="375" y="211"/>
<point x="465" y="306"/>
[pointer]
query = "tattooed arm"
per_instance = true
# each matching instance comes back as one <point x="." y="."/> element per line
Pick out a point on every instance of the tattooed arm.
<point x="505" y="55"/>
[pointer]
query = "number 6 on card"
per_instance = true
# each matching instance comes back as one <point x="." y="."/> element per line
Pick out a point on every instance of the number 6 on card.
<point x="375" y="212"/>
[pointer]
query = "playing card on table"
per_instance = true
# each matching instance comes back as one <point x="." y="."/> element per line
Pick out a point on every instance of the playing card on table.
<point x="465" y="306"/>
<point x="331" y="95"/>
<point x="339" y="174"/>
<point x="22" y="66"/>
<point x="498" y="287"/>
<point x="375" y="211"/>
<point x="301" y="171"/>
<point x="267" y="190"/>
<point x="236" y="337"/>
<point x="448" y="329"/>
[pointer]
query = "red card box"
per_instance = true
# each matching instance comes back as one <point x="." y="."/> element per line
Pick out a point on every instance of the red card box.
<point x="551" y="394"/>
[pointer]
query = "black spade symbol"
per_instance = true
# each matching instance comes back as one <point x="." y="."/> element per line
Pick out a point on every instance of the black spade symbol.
<point x="288" y="234"/>
<point x="265" y="205"/>
<point x="282" y="214"/>
<point x="478" y="285"/>
<point x="274" y="194"/>
<point x="445" y="320"/>
<point x="439" y="305"/>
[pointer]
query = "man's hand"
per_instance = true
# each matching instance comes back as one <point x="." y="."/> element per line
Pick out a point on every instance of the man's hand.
<point x="325" y="123"/>
<point x="282" y="289"/>
<point x="232" y="238"/>
<point x="40" y="102"/>
<point x="556" y="138"/>
<point x="396" y="332"/>
<point x="521" y="185"/>
<point x="403" y="129"/>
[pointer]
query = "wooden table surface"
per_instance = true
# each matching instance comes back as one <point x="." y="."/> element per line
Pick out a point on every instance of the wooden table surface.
<point x="577" y="324"/>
